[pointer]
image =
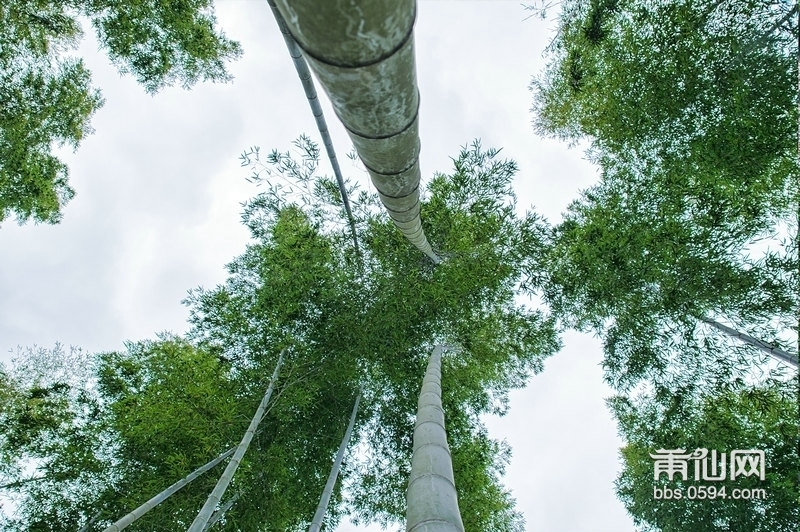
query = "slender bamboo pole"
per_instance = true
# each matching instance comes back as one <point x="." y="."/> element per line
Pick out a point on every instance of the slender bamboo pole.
<point x="304" y="74"/>
<point x="164" y="495"/>
<point x="322" y="507"/>
<point x="222" y="484"/>
<point x="776" y="352"/>
<point x="431" y="499"/>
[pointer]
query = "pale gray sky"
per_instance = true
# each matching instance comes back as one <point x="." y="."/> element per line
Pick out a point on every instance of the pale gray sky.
<point x="157" y="212"/>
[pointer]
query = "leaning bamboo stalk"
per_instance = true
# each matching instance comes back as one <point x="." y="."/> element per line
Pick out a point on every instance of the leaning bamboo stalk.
<point x="322" y="507"/>
<point x="304" y="74"/>
<point x="776" y="352"/>
<point x="164" y="495"/>
<point x="222" y="484"/>
<point x="431" y="499"/>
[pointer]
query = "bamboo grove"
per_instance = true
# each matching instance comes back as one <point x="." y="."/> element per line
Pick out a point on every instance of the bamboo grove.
<point x="345" y="364"/>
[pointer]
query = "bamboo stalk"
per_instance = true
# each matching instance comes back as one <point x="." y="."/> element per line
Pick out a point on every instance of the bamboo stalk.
<point x="225" y="479"/>
<point x="164" y="495"/>
<point x="362" y="53"/>
<point x="304" y="74"/>
<point x="322" y="507"/>
<point x="431" y="499"/>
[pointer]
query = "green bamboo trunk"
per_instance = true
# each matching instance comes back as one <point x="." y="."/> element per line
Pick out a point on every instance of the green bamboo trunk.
<point x="431" y="500"/>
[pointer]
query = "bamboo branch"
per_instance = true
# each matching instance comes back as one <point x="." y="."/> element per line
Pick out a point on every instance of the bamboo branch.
<point x="780" y="23"/>
<point x="776" y="352"/>
<point x="18" y="483"/>
<point x="221" y="511"/>
<point x="91" y="521"/>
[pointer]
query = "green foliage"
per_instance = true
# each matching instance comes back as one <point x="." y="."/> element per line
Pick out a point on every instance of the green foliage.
<point x="690" y="108"/>
<point x="183" y="406"/>
<point x="43" y="106"/>
<point x="163" y="42"/>
<point x="286" y="287"/>
<point x="478" y="465"/>
<point x="693" y="100"/>
<point x="165" y="407"/>
<point x="51" y="441"/>
<point x="104" y="433"/>
<point x="47" y="95"/>
<point x="290" y="287"/>
<point x="469" y="301"/>
<point x="300" y="282"/>
<point x="641" y="270"/>
<point x="762" y="417"/>
<point x="674" y="83"/>
<point x="172" y="408"/>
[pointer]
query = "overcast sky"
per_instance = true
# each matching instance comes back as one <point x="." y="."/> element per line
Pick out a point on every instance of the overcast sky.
<point x="156" y="213"/>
